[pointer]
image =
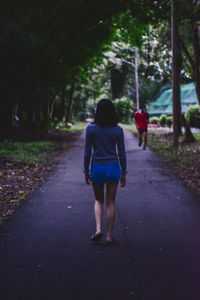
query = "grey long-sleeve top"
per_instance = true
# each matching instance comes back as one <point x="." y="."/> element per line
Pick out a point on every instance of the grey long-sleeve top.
<point x="103" y="142"/>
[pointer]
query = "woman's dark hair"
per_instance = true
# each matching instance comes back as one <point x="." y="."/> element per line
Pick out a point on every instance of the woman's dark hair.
<point x="105" y="115"/>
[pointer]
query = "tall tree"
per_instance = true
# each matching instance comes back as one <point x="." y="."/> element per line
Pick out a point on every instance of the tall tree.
<point x="190" y="38"/>
<point x="175" y="76"/>
<point x="45" y="43"/>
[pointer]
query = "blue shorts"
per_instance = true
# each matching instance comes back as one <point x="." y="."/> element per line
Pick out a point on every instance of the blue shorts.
<point x="107" y="172"/>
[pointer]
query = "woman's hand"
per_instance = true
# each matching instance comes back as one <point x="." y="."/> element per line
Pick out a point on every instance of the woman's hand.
<point x="87" y="178"/>
<point x="123" y="180"/>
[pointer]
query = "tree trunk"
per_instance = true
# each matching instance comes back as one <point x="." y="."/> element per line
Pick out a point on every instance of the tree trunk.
<point x="71" y="98"/>
<point x="7" y="107"/>
<point x="188" y="137"/>
<point x="48" y="96"/>
<point x="196" y="58"/>
<point x="14" y="113"/>
<point x="63" y="103"/>
<point x="53" y="101"/>
<point x="175" y="77"/>
<point x="50" y="100"/>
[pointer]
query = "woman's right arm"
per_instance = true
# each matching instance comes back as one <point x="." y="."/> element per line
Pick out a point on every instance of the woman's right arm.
<point x="87" y="149"/>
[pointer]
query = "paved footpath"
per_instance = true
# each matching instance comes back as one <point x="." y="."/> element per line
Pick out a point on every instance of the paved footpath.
<point x="45" y="247"/>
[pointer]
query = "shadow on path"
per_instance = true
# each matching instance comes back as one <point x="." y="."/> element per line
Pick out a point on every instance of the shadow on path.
<point x="45" y="248"/>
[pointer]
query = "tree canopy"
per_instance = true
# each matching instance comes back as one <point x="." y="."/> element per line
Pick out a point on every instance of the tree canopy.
<point x="51" y="46"/>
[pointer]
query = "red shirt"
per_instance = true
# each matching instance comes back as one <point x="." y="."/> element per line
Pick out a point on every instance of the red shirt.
<point x="141" y="119"/>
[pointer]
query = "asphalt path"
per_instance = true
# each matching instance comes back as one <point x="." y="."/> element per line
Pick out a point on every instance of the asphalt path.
<point x="45" y="247"/>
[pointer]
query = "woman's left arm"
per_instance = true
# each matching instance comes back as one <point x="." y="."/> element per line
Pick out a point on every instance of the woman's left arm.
<point x="121" y="151"/>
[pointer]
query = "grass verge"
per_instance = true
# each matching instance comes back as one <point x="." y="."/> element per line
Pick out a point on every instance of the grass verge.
<point x="185" y="160"/>
<point x="75" y="127"/>
<point x="25" y="165"/>
<point x="28" y="153"/>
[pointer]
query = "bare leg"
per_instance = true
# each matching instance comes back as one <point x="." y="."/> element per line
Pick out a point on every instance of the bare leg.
<point x="98" y="205"/>
<point x="140" y="139"/>
<point x="145" y="140"/>
<point x="110" y="208"/>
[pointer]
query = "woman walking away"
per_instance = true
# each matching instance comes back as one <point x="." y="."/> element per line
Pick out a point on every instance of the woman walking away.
<point x="102" y="136"/>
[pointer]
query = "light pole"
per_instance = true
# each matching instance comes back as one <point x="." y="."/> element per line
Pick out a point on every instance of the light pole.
<point x="137" y="81"/>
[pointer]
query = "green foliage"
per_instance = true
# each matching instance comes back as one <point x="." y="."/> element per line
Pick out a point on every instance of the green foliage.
<point x="118" y="77"/>
<point x="193" y="115"/>
<point x="61" y="126"/>
<point x="182" y="158"/>
<point x="48" y="43"/>
<point x="169" y="121"/>
<point x="154" y="68"/>
<point x="197" y="137"/>
<point x="149" y="89"/>
<point x="77" y="126"/>
<point x="154" y="120"/>
<point x="83" y="95"/>
<point x="39" y="126"/>
<point x="163" y="120"/>
<point x="29" y="153"/>
<point x="188" y="21"/>
<point x="131" y="127"/>
<point x="124" y="109"/>
<point x="46" y="124"/>
<point x="44" y="44"/>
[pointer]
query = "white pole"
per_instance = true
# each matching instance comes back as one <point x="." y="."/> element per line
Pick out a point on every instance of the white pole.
<point x="136" y="80"/>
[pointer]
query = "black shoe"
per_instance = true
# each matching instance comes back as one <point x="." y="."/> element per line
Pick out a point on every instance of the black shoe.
<point x="96" y="237"/>
<point x="140" y="143"/>
<point x="144" y="147"/>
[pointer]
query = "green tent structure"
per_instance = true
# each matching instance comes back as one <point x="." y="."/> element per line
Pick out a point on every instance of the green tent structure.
<point x="163" y="104"/>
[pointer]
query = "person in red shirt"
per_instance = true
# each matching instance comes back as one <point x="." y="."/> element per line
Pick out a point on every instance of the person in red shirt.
<point x="142" y="118"/>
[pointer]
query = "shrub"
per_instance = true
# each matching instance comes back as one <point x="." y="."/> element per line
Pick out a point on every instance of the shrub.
<point x="124" y="109"/>
<point x="61" y="125"/>
<point x="163" y="120"/>
<point x="169" y="121"/>
<point x="193" y="115"/>
<point x="81" y="116"/>
<point x="154" y="120"/>
<point x="46" y="124"/>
